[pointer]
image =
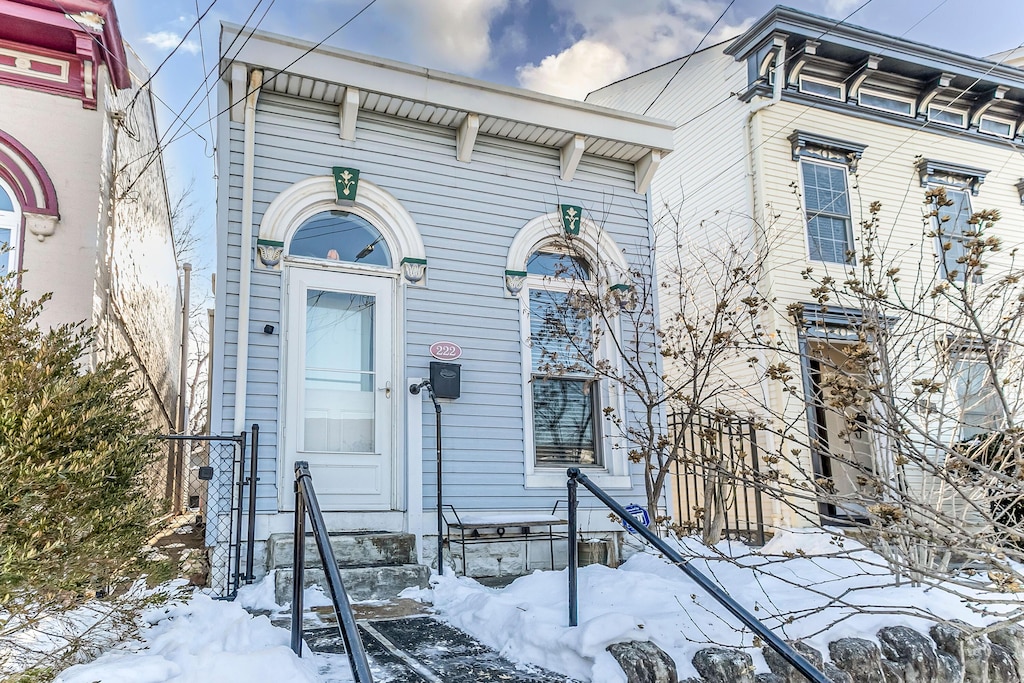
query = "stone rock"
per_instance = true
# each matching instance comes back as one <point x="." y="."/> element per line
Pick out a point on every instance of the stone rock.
<point x="971" y="651"/>
<point x="893" y="672"/>
<point x="769" y="678"/>
<point x="644" y="662"/>
<point x="910" y="653"/>
<point x="836" y="675"/>
<point x="1012" y="638"/>
<point x="1001" y="666"/>
<point x="784" y="670"/>
<point x="949" y="669"/>
<point x="858" y="657"/>
<point x="724" y="665"/>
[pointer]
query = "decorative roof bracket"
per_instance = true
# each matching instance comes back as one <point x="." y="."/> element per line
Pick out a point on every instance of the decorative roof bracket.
<point x="348" y="112"/>
<point x="465" y="137"/>
<point x="932" y="89"/>
<point x="861" y="74"/>
<point x="986" y="101"/>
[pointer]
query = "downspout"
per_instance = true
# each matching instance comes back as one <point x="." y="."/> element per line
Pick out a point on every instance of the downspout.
<point x="754" y="135"/>
<point x="245" y="257"/>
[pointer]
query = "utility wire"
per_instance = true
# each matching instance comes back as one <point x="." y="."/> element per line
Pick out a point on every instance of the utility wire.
<point x="209" y="109"/>
<point x="156" y="153"/>
<point x="692" y="52"/>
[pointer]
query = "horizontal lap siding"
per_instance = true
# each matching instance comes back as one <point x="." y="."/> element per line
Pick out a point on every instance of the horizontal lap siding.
<point x="701" y="192"/>
<point x="468" y="215"/>
<point x="886" y="173"/>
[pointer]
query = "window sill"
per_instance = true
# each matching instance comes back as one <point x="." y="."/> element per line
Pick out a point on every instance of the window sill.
<point x="549" y="479"/>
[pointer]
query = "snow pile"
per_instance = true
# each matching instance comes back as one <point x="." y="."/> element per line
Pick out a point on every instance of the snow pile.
<point x="201" y="640"/>
<point x="813" y="586"/>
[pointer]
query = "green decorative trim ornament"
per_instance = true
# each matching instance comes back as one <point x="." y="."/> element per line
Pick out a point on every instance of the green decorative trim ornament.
<point x="571" y="216"/>
<point x="346" y="182"/>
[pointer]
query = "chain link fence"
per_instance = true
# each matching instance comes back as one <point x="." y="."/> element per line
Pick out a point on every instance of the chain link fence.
<point x="199" y="482"/>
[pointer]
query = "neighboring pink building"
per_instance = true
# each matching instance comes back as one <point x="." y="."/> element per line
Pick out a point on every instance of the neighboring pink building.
<point x="83" y="201"/>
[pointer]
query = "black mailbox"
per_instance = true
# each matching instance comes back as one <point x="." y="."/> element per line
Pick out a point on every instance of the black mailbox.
<point x="446" y="378"/>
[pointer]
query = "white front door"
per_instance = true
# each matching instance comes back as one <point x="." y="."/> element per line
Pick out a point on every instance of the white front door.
<point x="339" y="403"/>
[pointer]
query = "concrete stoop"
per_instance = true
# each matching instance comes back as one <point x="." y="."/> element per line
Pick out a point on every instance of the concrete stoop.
<point x="373" y="565"/>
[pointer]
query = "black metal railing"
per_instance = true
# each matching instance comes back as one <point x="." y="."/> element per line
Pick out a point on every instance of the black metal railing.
<point x="713" y="589"/>
<point x="306" y="504"/>
<point x="717" y="476"/>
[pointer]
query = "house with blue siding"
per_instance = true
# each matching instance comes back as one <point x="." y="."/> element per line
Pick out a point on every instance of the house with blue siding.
<point x="373" y="213"/>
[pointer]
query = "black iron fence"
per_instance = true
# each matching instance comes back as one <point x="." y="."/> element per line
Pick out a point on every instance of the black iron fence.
<point x="205" y="480"/>
<point x="716" y="478"/>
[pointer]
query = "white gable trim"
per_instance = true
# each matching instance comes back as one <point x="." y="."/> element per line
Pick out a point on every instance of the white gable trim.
<point x="311" y="196"/>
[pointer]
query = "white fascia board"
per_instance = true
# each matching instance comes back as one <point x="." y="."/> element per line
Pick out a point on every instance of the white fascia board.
<point x="374" y="74"/>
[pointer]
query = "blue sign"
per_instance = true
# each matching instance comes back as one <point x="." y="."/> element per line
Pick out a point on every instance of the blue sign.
<point x="639" y="514"/>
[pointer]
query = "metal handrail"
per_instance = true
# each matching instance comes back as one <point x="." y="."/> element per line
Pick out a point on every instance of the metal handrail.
<point x="307" y="504"/>
<point x="795" y="659"/>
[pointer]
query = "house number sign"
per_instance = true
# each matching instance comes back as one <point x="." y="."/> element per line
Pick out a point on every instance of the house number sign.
<point x="445" y="350"/>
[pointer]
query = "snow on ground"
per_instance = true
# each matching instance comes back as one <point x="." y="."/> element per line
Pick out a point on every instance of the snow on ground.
<point x="202" y="640"/>
<point x="796" y="584"/>
<point x="796" y="576"/>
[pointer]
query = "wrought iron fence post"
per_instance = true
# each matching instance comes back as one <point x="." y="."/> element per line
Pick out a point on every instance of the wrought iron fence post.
<point x="571" y="484"/>
<point x="250" y="539"/>
<point x="299" y="569"/>
<point x="238" y="520"/>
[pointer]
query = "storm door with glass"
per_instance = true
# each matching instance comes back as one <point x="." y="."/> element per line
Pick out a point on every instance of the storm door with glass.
<point x="338" y="411"/>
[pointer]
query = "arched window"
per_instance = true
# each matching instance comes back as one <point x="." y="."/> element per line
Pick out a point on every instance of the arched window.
<point x="560" y="281"/>
<point x="563" y="386"/>
<point x="10" y="228"/>
<point x="340" y="236"/>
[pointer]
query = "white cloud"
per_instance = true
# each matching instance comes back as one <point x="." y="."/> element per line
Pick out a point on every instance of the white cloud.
<point x="168" y="40"/>
<point x="450" y="34"/>
<point x="632" y="36"/>
<point x="574" y="72"/>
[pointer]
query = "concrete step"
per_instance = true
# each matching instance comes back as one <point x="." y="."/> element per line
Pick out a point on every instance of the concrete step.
<point x="361" y="583"/>
<point x="359" y="549"/>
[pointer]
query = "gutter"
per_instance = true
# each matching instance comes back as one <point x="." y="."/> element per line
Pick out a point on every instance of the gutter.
<point x="246" y="255"/>
<point x="757" y="193"/>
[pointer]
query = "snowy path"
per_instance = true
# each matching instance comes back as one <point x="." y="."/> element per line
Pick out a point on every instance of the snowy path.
<point x="424" y="650"/>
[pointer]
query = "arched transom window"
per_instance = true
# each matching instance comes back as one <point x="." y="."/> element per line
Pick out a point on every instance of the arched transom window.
<point x="341" y="236"/>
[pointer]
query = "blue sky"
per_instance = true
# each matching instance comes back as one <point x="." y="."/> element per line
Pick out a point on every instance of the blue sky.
<point x="564" y="47"/>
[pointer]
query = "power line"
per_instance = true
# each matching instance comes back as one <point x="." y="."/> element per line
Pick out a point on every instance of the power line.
<point x="162" y="146"/>
<point x="202" y="57"/>
<point x="157" y="151"/>
<point x="692" y="52"/>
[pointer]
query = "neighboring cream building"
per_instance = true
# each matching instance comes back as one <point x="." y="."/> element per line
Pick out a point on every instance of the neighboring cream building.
<point x="83" y="201"/>
<point x="798" y="125"/>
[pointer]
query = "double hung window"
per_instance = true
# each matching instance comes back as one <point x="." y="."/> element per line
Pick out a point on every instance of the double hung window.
<point x="827" y="206"/>
<point x="976" y="400"/>
<point x="564" y="391"/>
<point x="952" y="230"/>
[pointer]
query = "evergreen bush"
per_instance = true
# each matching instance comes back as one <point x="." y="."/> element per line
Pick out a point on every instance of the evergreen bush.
<point x="74" y="443"/>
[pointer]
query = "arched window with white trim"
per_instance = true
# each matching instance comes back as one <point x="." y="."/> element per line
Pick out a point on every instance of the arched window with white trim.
<point x="559" y="280"/>
<point x="10" y="229"/>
